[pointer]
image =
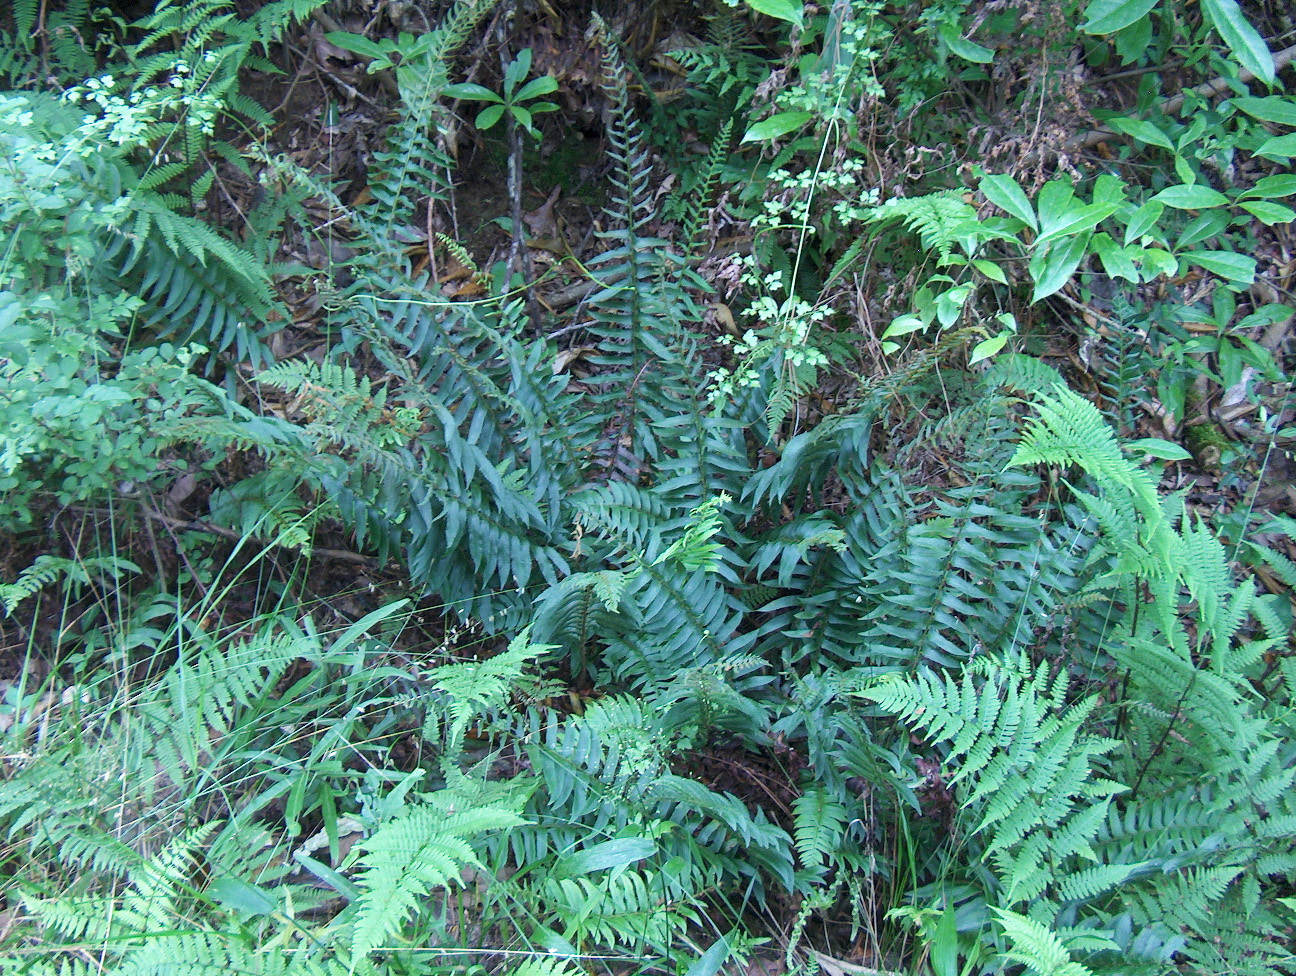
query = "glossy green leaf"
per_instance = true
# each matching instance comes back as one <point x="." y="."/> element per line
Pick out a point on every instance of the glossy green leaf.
<point x="489" y="116"/>
<point x="1272" y="187"/>
<point x="536" y="87"/>
<point x="1005" y="193"/>
<point x="1133" y="41"/>
<point x="1279" y="147"/>
<point x="988" y="347"/>
<point x="1106" y="16"/>
<point x="1264" y="316"/>
<point x="1242" y="39"/>
<point x="1185" y="197"/>
<point x="472" y="93"/>
<point x="991" y="271"/>
<point x="965" y="49"/>
<point x="1116" y="260"/>
<point x="902" y="325"/>
<point x="1202" y="227"/>
<point x="1158" y="448"/>
<point x="1156" y="262"/>
<point x="1076" y="221"/>
<point x="518" y="69"/>
<point x="242" y="897"/>
<point x="609" y="854"/>
<point x="1227" y="264"/>
<point x="1142" y="131"/>
<point x="776" y="126"/>
<point x="356" y="44"/>
<point x="944" y="954"/>
<point x="1268" y="213"/>
<point x="709" y="963"/>
<point x="949" y="305"/>
<point x="1143" y="220"/>
<point x="1055" y="201"/>
<point x="789" y="10"/>
<point x="1109" y="189"/>
<point x="522" y="115"/>
<point x="1056" y="265"/>
<point x="1272" y="108"/>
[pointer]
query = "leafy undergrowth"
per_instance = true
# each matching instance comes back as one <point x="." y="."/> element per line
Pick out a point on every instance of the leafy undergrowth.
<point x="832" y="513"/>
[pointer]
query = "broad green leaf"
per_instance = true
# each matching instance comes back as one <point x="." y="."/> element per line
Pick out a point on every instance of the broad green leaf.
<point x="1076" y="221"/>
<point x="903" y="325"/>
<point x="1279" y="185"/>
<point x="1156" y="261"/>
<point x="944" y="953"/>
<point x="1109" y="189"/>
<point x="991" y="271"/>
<point x="1142" y="131"/>
<point x="1056" y="200"/>
<point x="1227" y="264"/>
<point x="356" y="44"/>
<point x="1196" y="129"/>
<point x="1191" y="197"/>
<point x="519" y="68"/>
<point x="1272" y="108"/>
<point x="1116" y="260"/>
<point x="1106" y="16"/>
<point x="1133" y="41"/>
<point x="472" y="93"/>
<point x="536" y="87"/>
<point x="1056" y="265"/>
<point x="489" y="116"/>
<point x="1268" y="213"/>
<point x="1184" y="171"/>
<point x="988" y="347"/>
<point x="965" y="49"/>
<point x="949" y="305"/>
<point x="522" y="115"/>
<point x="1008" y="196"/>
<point x="1242" y="39"/>
<point x="776" y="126"/>
<point x="1279" y="147"/>
<point x="1265" y="315"/>
<point x="240" y="896"/>
<point x="609" y="854"/>
<point x="1158" y="448"/>
<point x="789" y="10"/>
<point x="1143" y="220"/>
<point x="1203" y="226"/>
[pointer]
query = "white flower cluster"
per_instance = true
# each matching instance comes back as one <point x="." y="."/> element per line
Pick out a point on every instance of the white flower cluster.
<point x="127" y="119"/>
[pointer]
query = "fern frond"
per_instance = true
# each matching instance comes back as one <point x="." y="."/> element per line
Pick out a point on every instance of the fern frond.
<point x="940" y="220"/>
<point x="421" y="849"/>
<point x="819" y="822"/>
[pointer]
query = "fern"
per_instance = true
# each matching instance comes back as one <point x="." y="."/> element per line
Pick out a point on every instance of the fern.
<point x="820" y="822"/>
<point x="47" y="570"/>
<point x="941" y="220"/>
<point x="479" y="687"/>
<point x="414" y="171"/>
<point x="636" y="909"/>
<point x="424" y="847"/>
